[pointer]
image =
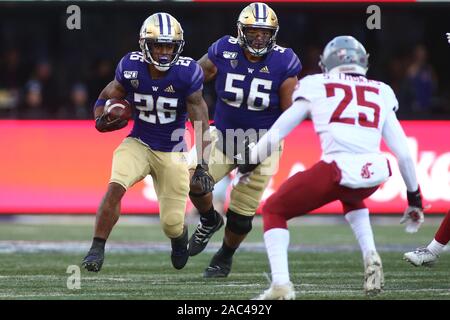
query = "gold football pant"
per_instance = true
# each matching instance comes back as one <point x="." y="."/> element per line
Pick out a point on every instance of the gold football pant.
<point x="133" y="161"/>
<point x="246" y="194"/>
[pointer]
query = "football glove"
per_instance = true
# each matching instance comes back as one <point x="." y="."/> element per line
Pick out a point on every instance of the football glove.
<point x="201" y="180"/>
<point x="413" y="215"/>
<point x="246" y="167"/>
<point x="103" y="124"/>
<point x="242" y="178"/>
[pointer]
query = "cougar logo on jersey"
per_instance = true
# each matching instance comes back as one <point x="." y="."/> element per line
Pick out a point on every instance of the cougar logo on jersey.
<point x="130" y="74"/>
<point x="229" y="55"/>
<point x="365" y="171"/>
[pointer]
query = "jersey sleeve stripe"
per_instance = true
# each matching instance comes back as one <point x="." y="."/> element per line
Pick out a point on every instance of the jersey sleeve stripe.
<point x="214" y="48"/>
<point x="120" y="67"/>
<point x="296" y="65"/>
<point x="119" y="71"/>
<point x="197" y="74"/>
<point x="293" y="62"/>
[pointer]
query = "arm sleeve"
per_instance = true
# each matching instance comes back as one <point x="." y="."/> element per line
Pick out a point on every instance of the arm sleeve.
<point x="306" y="89"/>
<point x="196" y="82"/>
<point x="390" y="98"/>
<point x="294" y="66"/>
<point x="288" y="120"/>
<point x="396" y="140"/>
<point x="213" y="51"/>
<point x="119" y="72"/>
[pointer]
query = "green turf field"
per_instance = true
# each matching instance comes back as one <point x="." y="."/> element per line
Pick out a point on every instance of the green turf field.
<point x="324" y="262"/>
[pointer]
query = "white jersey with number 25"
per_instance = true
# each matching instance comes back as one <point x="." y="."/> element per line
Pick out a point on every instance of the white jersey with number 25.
<point x="348" y="111"/>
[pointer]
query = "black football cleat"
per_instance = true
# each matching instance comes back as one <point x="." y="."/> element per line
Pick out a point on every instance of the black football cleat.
<point x="218" y="267"/>
<point x="94" y="260"/>
<point x="202" y="234"/>
<point x="180" y="253"/>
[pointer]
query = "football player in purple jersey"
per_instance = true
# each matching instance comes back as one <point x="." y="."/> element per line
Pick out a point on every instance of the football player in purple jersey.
<point x="254" y="81"/>
<point x="164" y="88"/>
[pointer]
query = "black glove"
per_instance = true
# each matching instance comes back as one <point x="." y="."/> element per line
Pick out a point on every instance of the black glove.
<point x="201" y="180"/>
<point x="103" y="124"/>
<point x="246" y="166"/>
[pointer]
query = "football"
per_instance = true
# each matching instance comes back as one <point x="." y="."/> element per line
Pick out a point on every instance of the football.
<point x="118" y="108"/>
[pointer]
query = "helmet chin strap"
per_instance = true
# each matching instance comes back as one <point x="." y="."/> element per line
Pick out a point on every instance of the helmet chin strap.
<point x="257" y="53"/>
<point x="161" y="68"/>
<point x="158" y="67"/>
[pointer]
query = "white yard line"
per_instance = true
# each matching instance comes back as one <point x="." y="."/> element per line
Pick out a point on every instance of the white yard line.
<point x="152" y="247"/>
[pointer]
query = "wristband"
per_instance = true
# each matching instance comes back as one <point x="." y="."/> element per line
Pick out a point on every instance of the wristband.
<point x="414" y="198"/>
<point x="100" y="103"/>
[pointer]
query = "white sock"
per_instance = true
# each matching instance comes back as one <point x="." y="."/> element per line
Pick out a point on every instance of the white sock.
<point x="360" y="223"/>
<point x="435" y="247"/>
<point x="277" y="242"/>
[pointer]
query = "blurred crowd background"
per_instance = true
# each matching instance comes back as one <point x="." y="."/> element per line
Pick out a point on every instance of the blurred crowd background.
<point x="50" y="72"/>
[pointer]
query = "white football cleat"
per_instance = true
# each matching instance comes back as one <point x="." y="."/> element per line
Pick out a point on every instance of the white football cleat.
<point x="278" y="292"/>
<point x="373" y="273"/>
<point x="421" y="257"/>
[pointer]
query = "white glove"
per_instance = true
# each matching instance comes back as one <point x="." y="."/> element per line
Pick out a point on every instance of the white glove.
<point x="413" y="217"/>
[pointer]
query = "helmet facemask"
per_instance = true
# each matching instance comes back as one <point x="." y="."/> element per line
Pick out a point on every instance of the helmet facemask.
<point x="256" y="47"/>
<point x="164" y="61"/>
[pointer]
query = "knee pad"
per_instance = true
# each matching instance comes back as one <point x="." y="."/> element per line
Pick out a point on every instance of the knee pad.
<point x="238" y="223"/>
<point x="172" y="226"/>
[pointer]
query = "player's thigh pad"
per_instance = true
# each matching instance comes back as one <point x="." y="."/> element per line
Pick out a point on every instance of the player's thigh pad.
<point x="170" y="175"/>
<point x="246" y="195"/>
<point x="130" y="163"/>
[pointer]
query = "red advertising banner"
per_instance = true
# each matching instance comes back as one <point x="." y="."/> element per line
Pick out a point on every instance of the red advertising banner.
<point x="64" y="166"/>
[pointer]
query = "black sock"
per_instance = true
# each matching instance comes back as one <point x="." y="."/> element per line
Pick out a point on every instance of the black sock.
<point x="209" y="218"/>
<point x="98" y="243"/>
<point x="226" y="252"/>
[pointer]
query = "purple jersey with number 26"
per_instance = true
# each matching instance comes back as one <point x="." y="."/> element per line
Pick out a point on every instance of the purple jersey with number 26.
<point x="161" y="103"/>
<point x="248" y="92"/>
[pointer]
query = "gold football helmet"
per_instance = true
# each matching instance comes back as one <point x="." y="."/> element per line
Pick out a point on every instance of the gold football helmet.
<point x="161" y="28"/>
<point x="261" y="16"/>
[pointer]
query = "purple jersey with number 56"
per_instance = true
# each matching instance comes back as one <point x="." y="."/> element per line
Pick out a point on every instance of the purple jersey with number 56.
<point x="160" y="103"/>
<point x="248" y="92"/>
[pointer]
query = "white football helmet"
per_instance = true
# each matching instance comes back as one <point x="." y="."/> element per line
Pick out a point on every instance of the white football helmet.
<point x="344" y="54"/>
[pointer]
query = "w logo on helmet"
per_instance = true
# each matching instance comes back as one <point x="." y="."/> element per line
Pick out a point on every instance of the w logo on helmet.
<point x="365" y="171"/>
